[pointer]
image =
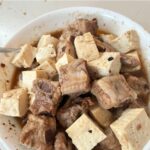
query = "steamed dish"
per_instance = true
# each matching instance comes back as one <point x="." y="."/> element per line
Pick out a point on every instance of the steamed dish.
<point x="79" y="88"/>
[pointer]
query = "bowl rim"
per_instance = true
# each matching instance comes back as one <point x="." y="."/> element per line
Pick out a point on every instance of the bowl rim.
<point x="112" y="13"/>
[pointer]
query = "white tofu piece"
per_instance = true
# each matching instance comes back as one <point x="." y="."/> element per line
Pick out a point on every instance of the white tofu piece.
<point x="7" y="72"/>
<point x="132" y="129"/>
<point x="108" y="64"/>
<point x="135" y="62"/>
<point x="102" y="116"/>
<point x="65" y="59"/>
<point x="113" y="91"/>
<point x="85" y="134"/>
<point x="25" y="57"/>
<point x="45" y="40"/>
<point x="107" y="37"/>
<point x="45" y="53"/>
<point x="14" y="103"/>
<point x="29" y="76"/>
<point x="86" y="47"/>
<point x="49" y="67"/>
<point x="126" y="42"/>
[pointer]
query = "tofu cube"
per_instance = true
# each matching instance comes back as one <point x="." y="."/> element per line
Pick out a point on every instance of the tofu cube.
<point x="113" y="91"/>
<point x="45" y="53"/>
<point x="65" y="59"/>
<point x="85" y="134"/>
<point x="107" y="37"/>
<point x="126" y="42"/>
<point x="132" y="129"/>
<point x="107" y="64"/>
<point x="102" y="116"/>
<point x="45" y="40"/>
<point x="25" y="57"/>
<point x="74" y="79"/>
<point x="49" y="67"/>
<point x="86" y="47"/>
<point x="130" y="62"/>
<point x="14" y="103"/>
<point x="29" y="76"/>
<point x="7" y="72"/>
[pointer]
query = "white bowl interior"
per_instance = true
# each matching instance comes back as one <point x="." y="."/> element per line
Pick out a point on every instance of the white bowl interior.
<point x="107" y="20"/>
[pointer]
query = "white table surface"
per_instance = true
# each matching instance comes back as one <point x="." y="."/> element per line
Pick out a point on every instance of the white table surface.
<point x="16" y="13"/>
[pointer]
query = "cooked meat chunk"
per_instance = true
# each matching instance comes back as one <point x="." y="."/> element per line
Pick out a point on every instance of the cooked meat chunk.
<point x="65" y="47"/>
<point x="67" y="116"/>
<point x="113" y="91"/>
<point x="47" y="96"/>
<point x="139" y="103"/>
<point x="85" y="25"/>
<point x="140" y="85"/>
<point x="65" y="44"/>
<point x="74" y="79"/>
<point x="85" y="102"/>
<point x="110" y="143"/>
<point x="130" y="62"/>
<point x="70" y="113"/>
<point x="61" y="142"/>
<point x="38" y="132"/>
<point x="104" y="47"/>
<point x="45" y="147"/>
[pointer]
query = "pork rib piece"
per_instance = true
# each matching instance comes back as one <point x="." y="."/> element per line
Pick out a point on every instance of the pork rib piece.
<point x="140" y="85"/>
<point x="85" y="25"/>
<point x="113" y="91"/>
<point x="46" y="97"/>
<point x="71" y="112"/>
<point x="62" y="143"/>
<point x="65" y="44"/>
<point x="38" y="132"/>
<point x="74" y="78"/>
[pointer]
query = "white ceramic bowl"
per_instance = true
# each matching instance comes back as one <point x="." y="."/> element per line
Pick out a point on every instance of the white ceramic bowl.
<point x="107" y="20"/>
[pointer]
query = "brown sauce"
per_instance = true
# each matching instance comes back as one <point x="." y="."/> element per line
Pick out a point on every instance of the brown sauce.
<point x="56" y="33"/>
<point x="99" y="31"/>
<point x="15" y="78"/>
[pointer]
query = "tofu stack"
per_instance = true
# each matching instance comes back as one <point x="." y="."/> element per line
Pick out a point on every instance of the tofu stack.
<point x="83" y="90"/>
